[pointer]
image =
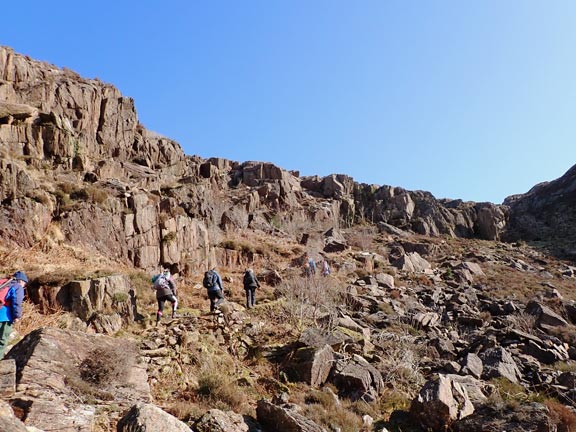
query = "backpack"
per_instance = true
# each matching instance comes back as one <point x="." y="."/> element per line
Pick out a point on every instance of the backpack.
<point x="249" y="279"/>
<point x="4" y="288"/>
<point x="160" y="282"/>
<point x="210" y="279"/>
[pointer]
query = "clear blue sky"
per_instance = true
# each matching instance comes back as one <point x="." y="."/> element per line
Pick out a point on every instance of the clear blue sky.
<point x="466" y="99"/>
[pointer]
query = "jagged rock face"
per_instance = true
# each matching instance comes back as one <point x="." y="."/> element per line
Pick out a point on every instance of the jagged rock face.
<point x="546" y="213"/>
<point x="136" y="196"/>
<point x="54" y="114"/>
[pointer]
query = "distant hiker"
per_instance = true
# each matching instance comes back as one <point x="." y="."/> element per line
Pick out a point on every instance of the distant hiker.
<point x="250" y="285"/>
<point x="326" y="268"/>
<point x="11" y="296"/>
<point x="165" y="291"/>
<point x="312" y="264"/>
<point x="213" y="284"/>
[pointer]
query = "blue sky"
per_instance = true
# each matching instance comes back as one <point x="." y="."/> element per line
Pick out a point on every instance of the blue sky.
<point x="470" y="100"/>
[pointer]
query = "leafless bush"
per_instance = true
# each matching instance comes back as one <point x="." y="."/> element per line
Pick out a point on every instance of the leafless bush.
<point x="362" y="237"/>
<point x="98" y="373"/>
<point x="523" y="322"/>
<point x="311" y="300"/>
<point x="106" y="365"/>
<point x="400" y="367"/>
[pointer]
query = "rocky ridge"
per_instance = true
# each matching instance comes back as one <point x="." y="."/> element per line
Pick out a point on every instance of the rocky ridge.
<point x="78" y="167"/>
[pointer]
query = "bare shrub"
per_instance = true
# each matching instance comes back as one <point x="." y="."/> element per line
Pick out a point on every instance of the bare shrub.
<point x="105" y="365"/>
<point x="523" y="322"/>
<point x="97" y="374"/>
<point x="362" y="237"/>
<point x="400" y="368"/>
<point x="311" y="301"/>
<point x="334" y="417"/>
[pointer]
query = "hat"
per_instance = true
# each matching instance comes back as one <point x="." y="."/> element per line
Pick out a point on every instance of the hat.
<point x="20" y="275"/>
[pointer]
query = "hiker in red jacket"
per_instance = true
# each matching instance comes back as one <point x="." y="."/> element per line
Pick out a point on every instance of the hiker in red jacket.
<point x="11" y="310"/>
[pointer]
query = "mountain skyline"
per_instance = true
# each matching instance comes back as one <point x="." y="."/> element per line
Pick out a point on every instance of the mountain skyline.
<point x="469" y="102"/>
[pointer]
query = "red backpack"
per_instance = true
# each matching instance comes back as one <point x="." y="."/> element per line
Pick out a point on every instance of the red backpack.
<point x="4" y="288"/>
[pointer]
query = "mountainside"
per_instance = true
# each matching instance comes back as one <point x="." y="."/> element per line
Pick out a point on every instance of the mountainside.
<point x="427" y="320"/>
<point x="73" y="147"/>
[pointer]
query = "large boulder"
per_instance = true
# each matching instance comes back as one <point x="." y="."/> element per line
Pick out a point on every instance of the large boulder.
<point x="441" y="401"/>
<point x="58" y="369"/>
<point x="216" y="420"/>
<point x="149" y="418"/>
<point x="285" y="418"/>
<point x="311" y="365"/>
<point x="356" y="379"/>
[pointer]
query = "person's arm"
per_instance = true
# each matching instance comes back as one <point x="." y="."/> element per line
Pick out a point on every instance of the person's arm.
<point x="17" y="297"/>
<point x="172" y="286"/>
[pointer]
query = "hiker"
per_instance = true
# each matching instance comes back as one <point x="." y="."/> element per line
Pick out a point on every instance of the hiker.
<point x="11" y="310"/>
<point x="213" y="284"/>
<point x="312" y="265"/>
<point x="165" y="291"/>
<point x="250" y="285"/>
<point x="326" y="268"/>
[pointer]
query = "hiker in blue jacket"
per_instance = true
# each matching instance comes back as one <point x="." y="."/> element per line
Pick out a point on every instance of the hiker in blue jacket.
<point x="11" y="310"/>
<point x="213" y="283"/>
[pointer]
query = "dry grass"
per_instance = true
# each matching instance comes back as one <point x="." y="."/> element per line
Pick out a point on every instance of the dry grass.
<point x="210" y="381"/>
<point x="33" y="319"/>
<point x="562" y="416"/>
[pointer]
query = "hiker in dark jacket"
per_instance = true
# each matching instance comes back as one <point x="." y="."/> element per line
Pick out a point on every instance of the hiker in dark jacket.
<point x="250" y="285"/>
<point x="11" y="311"/>
<point x="165" y="291"/>
<point x="213" y="284"/>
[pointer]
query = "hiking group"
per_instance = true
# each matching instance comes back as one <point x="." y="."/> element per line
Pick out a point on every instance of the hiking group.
<point x="165" y="288"/>
<point x="213" y="284"/>
<point x="310" y="267"/>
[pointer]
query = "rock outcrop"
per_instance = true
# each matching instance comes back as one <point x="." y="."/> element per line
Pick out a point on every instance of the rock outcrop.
<point x="77" y="161"/>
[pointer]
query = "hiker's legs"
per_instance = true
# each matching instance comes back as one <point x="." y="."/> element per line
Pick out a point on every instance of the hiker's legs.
<point x="248" y="303"/>
<point x="253" y="291"/>
<point x="250" y="297"/>
<point x="161" y="302"/>
<point x="220" y="297"/>
<point x="212" y="296"/>
<point x="174" y="302"/>
<point x="5" y="330"/>
<point x="216" y="297"/>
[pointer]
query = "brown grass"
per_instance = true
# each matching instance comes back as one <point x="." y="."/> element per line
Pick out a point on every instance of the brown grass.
<point x="562" y="416"/>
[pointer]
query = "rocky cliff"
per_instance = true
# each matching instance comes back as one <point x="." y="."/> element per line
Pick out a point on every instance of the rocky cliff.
<point x="78" y="167"/>
<point x="547" y="214"/>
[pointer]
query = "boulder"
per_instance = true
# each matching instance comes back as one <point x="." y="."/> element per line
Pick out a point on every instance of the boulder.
<point x="528" y="417"/>
<point x="498" y="362"/>
<point x="441" y="401"/>
<point x="285" y="418"/>
<point x="311" y="365"/>
<point x="216" y="420"/>
<point x="59" y="368"/>
<point x="144" y="417"/>
<point x="545" y="315"/>
<point x="411" y="262"/>
<point x="356" y="379"/>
